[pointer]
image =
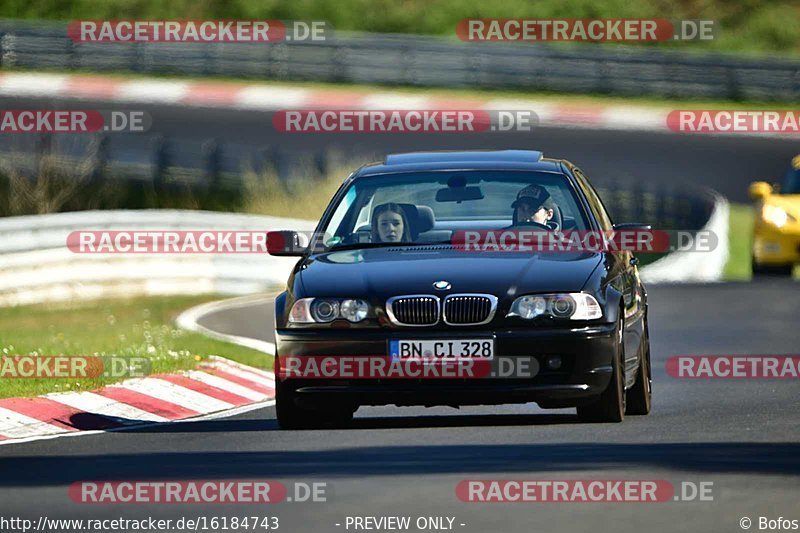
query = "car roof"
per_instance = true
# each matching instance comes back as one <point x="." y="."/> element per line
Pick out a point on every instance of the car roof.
<point x="461" y="160"/>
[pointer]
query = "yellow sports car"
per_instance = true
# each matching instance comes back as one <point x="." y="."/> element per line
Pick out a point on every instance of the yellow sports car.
<point x="776" y="235"/>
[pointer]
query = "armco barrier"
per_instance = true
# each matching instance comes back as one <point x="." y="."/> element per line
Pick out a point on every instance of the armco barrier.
<point x="36" y="266"/>
<point x="698" y="266"/>
<point x="420" y="61"/>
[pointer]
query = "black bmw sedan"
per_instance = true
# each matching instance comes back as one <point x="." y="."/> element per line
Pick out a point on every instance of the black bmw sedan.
<point x="386" y="295"/>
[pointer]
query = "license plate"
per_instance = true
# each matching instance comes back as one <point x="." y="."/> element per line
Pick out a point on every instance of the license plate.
<point x="475" y="349"/>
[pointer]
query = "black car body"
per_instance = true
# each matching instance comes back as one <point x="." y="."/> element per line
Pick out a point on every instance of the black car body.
<point x="601" y="362"/>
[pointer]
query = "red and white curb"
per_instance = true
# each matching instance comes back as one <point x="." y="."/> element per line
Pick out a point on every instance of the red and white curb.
<point x="272" y="97"/>
<point x="220" y="387"/>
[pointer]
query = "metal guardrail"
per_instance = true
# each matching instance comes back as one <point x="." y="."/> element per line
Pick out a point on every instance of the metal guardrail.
<point x="165" y="165"/>
<point x="421" y="61"/>
<point x="36" y="265"/>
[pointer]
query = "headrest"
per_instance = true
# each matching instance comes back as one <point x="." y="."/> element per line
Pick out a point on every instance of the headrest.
<point x="420" y="217"/>
<point x="426" y="219"/>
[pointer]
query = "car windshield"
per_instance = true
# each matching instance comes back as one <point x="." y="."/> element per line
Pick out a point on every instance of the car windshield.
<point x="427" y="207"/>
<point x="791" y="182"/>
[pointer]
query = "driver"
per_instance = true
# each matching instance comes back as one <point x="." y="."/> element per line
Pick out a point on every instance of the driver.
<point x="533" y="204"/>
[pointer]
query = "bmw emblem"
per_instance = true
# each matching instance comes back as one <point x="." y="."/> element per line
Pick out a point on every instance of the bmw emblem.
<point x="442" y="285"/>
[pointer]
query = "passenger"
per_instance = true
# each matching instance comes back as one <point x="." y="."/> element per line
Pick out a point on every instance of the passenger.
<point x="533" y="204"/>
<point x="390" y="224"/>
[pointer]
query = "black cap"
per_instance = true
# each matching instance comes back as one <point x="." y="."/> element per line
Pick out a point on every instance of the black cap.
<point x="535" y="195"/>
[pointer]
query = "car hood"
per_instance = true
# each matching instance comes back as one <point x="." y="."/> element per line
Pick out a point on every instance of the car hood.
<point x="789" y="202"/>
<point x="378" y="273"/>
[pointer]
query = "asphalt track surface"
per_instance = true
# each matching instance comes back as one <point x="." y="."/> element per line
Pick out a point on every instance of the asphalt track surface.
<point x="742" y="435"/>
<point x="725" y="163"/>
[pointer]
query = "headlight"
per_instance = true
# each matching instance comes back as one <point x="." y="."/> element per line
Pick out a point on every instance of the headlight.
<point x="529" y="307"/>
<point x="324" y="310"/>
<point x="301" y="312"/>
<point x="775" y="215"/>
<point x="572" y="306"/>
<point x="354" y="310"/>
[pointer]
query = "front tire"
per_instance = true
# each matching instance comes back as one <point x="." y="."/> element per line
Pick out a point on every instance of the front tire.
<point x="639" y="397"/>
<point x="610" y="406"/>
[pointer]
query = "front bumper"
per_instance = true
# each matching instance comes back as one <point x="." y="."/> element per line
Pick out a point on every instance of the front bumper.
<point x="586" y="365"/>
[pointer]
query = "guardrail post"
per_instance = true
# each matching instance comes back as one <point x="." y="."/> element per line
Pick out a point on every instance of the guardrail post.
<point x="160" y="161"/>
<point x="339" y="64"/>
<point x="211" y="156"/>
<point x="100" y="158"/>
<point x="138" y="55"/>
<point x="797" y="84"/>
<point x="280" y="163"/>
<point x="321" y="163"/>
<point x="665" y="207"/>
<point x="407" y="68"/>
<point x="734" y="87"/>
<point x="273" y="159"/>
<point x="604" y="83"/>
<point x="71" y="55"/>
<point x="639" y="200"/>
<point x="44" y="147"/>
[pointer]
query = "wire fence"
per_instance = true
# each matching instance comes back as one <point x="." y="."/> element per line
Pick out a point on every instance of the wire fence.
<point x="169" y="165"/>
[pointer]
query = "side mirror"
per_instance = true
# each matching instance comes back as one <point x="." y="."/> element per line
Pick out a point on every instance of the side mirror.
<point x="286" y="243"/>
<point x="759" y="190"/>
<point x="633" y="226"/>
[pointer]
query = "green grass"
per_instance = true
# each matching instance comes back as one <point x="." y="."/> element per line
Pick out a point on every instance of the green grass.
<point x="749" y="26"/>
<point x="740" y="238"/>
<point x="140" y="327"/>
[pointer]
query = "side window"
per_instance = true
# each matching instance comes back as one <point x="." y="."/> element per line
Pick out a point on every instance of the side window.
<point x="594" y="200"/>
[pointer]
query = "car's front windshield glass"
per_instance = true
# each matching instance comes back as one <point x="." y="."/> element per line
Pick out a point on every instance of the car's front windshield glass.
<point x="791" y="182"/>
<point x="428" y="207"/>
